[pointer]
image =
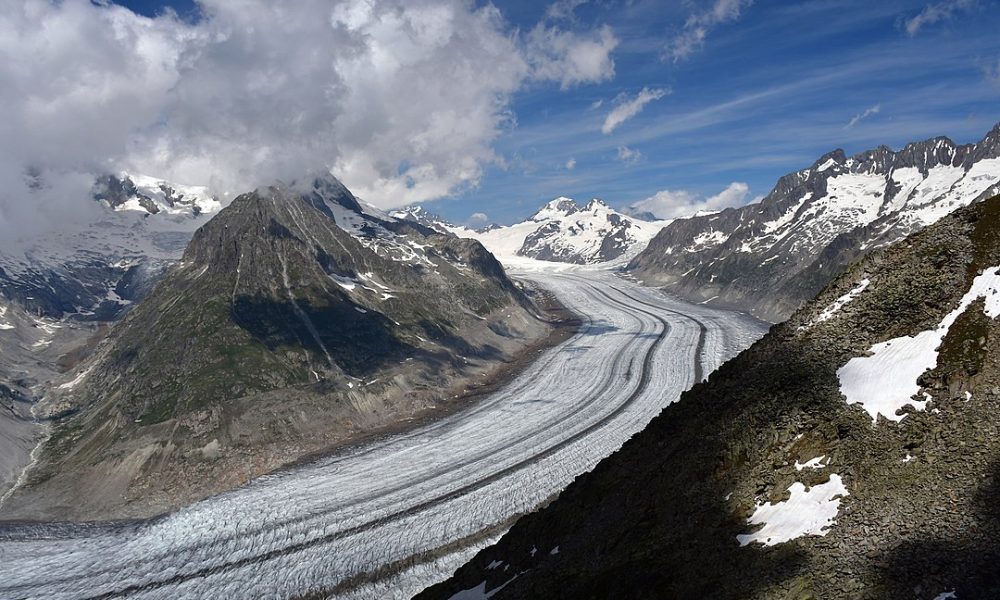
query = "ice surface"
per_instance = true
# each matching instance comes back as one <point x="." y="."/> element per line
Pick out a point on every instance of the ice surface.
<point x="886" y="381"/>
<point x="806" y="512"/>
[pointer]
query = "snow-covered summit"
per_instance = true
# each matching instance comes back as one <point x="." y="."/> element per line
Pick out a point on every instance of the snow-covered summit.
<point x="564" y="231"/>
<point x="144" y="194"/>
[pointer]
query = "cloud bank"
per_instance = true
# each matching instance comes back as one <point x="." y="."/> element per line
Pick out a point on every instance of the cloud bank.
<point x="401" y="98"/>
<point x="676" y="204"/>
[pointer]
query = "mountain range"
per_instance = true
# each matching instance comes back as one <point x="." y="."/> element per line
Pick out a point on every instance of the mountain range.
<point x="768" y="258"/>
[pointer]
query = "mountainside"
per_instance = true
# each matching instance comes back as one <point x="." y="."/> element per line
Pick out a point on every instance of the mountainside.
<point x="564" y="231"/>
<point x="295" y="320"/>
<point x="96" y="270"/>
<point x="851" y="453"/>
<point x="57" y="289"/>
<point x="770" y="257"/>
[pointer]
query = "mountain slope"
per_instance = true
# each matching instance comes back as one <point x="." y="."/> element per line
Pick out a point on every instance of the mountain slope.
<point x="294" y="321"/>
<point x="765" y="482"/>
<point x="770" y="257"/>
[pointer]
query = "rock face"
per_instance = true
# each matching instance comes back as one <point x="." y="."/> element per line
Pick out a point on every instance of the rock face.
<point x="769" y="258"/>
<point x="295" y="320"/>
<point x="564" y="231"/>
<point x="826" y="502"/>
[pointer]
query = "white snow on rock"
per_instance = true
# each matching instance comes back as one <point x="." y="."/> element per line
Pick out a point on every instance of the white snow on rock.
<point x="840" y="303"/>
<point x="807" y="512"/>
<point x="345" y="282"/>
<point x="886" y="380"/>
<point x="3" y="323"/>
<point x="183" y="198"/>
<point x="813" y="463"/>
<point x="76" y="380"/>
<point x="568" y="230"/>
<point x="946" y="595"/>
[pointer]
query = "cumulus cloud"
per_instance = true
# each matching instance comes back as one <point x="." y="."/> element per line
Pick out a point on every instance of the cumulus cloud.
<point x="676" y="204"/>
<point x="628" y="155"/>
<point x="626" y="108"/>
<point x="935" y="13"/>
<point x="571" y="58"/>
<point x="874" y="110"/>
<point x="402" y="99"/>
<point x="700" y="24"/>
<point x="478" y="219"/>
<point x="571" y="164"/>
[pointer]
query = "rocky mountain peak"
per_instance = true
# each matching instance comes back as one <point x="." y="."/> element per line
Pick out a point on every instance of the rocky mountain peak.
<point x="131" y="192"/>
<point x="596" y="204"/>
<point x="559" y="207"/>
<point x="828" y="160"/>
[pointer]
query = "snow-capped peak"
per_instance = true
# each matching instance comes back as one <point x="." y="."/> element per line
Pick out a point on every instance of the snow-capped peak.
<point x="141" y="193"/>
<point x="554" y="209"/>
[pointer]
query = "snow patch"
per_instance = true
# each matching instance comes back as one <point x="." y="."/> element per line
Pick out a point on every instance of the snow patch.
<point x="807" y="512"/>
<point x="813" y="463"/>
<point x="886" y="380"/>
<point x="838" y="304"/>
<point x="479" y="592"/>
<point x="345" y="282"/>
<point x="76" y="380"/>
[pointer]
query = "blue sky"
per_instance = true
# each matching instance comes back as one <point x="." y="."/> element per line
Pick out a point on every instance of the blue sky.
<point x="766" y="93"/>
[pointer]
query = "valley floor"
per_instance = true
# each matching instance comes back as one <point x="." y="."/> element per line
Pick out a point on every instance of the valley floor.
<point x="390" y="517"/>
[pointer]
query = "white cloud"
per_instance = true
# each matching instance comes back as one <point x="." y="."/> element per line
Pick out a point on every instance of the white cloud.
<point x="563" y="9"/>
<point x="935" y="13"/>
<point x="571" y="164"/>
<point x="676" y="204"/>
<point x="571" y="58"/>
<point x="874" y="110"/>
<point x="477" y="219"/>
<point x="626" y="108"/>
<point x="628" y="155"/>
<point x="401" y="98"/>
<point x="699" y="25"/>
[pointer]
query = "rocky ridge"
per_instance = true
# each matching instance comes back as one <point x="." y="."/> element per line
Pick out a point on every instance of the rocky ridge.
<point x="770" y="257"/>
